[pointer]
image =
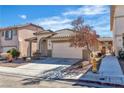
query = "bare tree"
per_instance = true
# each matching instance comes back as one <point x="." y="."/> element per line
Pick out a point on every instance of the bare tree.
<point x="84" y="35"/>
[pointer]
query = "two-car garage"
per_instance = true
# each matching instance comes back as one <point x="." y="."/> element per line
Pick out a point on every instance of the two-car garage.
<point x="61" y="46"/>
<point x="63" y="50"/>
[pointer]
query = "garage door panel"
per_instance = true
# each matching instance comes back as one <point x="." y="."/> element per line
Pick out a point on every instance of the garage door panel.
<point x="63" y="50"/>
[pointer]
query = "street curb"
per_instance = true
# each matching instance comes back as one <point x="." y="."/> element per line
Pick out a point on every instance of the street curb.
<point x="95" y="82"/>
<point x="72" y="80"/>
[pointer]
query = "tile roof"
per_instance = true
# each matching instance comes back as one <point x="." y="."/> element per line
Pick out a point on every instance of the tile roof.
<point x="20" y="26"/>
<point x="64" y="33"/>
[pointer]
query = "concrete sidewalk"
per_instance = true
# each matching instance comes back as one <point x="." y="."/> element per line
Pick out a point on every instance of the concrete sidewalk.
<point x="109" y="72"/>
<point x="110" y="66"/>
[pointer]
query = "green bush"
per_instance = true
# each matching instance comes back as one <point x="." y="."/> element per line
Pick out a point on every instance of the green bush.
<point x="14" y="52"/>
<point x="121" y="54"/>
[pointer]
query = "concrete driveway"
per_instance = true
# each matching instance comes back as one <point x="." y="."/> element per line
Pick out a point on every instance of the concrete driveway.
<point x="37" y="67"/>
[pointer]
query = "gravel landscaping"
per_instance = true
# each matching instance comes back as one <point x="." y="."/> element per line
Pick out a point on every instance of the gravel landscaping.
<point x="64" y="72"/>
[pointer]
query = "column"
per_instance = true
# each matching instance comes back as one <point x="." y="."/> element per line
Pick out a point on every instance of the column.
<point x="30" y="48"/>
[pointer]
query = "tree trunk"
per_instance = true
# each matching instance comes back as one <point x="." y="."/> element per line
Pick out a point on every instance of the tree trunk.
<point x="89" y="51"/>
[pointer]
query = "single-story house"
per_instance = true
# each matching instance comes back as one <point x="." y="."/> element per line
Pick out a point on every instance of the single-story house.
<point x="57" y="44"/>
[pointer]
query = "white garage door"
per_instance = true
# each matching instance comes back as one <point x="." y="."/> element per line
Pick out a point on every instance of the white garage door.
<point x="63" y="50"/>
<point x="5" y="49"/>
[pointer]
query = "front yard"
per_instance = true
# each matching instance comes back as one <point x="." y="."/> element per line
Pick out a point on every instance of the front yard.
<point x="44" y="69"/>
<point x="45" y="66"/>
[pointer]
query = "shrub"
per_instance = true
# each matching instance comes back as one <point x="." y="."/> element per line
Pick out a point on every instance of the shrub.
<point x="14" y="52"/>
<point x="121" y="54"/>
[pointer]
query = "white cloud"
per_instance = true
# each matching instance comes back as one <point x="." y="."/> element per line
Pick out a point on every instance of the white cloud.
<point x="23" y="16"/>
<point x="100" y="24"/>
<point x="88" y="10"/>
<point x="54" y="23"/>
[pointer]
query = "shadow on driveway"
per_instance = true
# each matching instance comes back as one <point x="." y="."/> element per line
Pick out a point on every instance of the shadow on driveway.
<point x="57" y="61"/>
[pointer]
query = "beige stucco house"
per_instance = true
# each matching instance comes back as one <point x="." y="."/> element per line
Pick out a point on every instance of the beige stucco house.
<point x="117" y="27"/>
<point x="57" y="44"/>
<point x="14" y="37"/>
<point x="29" y="38"/>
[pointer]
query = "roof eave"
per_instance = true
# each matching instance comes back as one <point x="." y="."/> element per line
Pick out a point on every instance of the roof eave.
<point x="20" y="27"/>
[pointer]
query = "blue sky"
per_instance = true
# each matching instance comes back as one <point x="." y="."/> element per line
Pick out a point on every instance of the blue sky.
<point x="57" y="17"/>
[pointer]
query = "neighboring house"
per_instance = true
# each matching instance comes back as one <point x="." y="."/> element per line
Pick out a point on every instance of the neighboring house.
<point x="117" y="27"/>
<point x="106" y="42"/>
<point x="14" y="37"/>
<point x="57" y="44"/>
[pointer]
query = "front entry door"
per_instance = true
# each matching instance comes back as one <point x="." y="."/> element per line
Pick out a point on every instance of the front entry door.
<point x="43" y="48"/>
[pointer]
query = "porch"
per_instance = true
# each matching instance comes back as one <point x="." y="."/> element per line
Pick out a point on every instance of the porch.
<point x="42" y="47"/>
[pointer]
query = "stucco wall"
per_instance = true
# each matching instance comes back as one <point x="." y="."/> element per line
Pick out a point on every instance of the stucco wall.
<point x="12" y="42"/>
<point x="23" y="45"/>
<point x="119" y="10"/>
<point x="118" y="29"/>
<point x="8" y="44"/>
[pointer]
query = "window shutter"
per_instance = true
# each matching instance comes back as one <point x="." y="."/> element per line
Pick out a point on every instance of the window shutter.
<point x="3" y="33"/>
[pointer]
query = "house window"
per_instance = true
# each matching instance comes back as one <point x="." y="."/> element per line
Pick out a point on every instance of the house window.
<point x="8" y="35"/>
